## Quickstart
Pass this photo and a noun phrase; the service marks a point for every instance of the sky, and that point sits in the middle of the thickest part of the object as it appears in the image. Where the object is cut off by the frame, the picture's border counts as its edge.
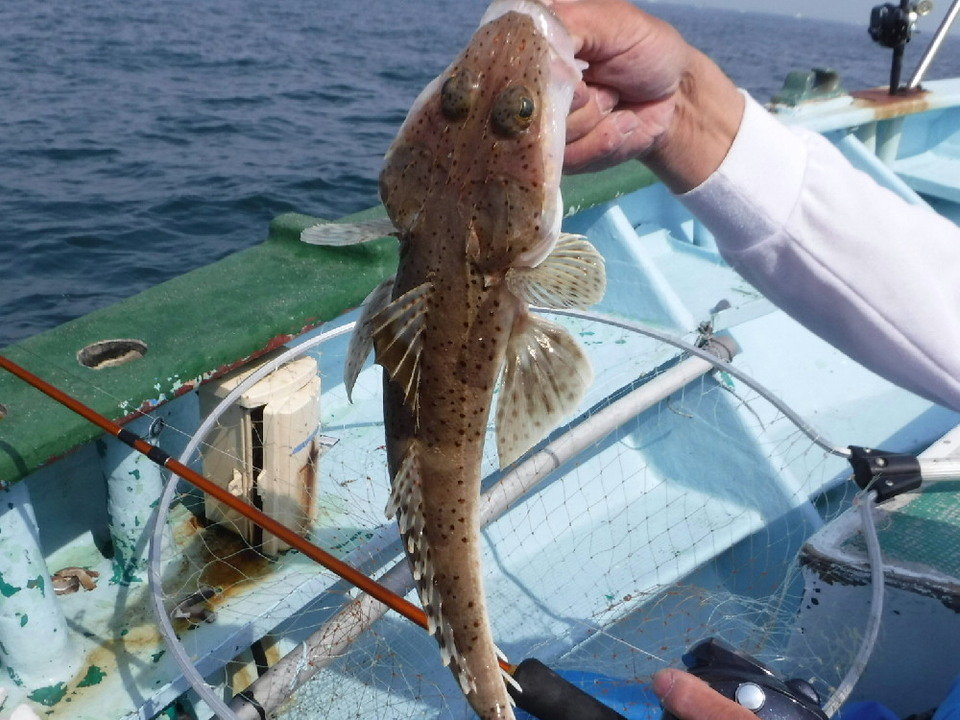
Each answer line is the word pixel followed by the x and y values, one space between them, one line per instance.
pixel 848 11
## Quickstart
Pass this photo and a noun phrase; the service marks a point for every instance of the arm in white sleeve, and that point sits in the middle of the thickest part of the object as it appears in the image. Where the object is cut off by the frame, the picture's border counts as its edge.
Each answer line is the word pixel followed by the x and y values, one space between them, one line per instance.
pixel 871 274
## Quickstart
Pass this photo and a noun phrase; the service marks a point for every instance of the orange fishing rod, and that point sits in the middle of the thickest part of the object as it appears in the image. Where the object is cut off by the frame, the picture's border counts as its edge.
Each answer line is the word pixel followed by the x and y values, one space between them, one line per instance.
pixel 340 568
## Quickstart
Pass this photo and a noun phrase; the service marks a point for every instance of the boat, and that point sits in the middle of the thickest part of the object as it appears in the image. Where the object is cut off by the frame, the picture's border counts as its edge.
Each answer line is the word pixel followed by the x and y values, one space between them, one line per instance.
pixel 693 494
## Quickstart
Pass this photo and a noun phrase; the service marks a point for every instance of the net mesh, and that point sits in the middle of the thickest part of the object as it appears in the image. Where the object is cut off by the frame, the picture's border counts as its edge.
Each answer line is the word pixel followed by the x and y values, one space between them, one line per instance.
pixel 682 522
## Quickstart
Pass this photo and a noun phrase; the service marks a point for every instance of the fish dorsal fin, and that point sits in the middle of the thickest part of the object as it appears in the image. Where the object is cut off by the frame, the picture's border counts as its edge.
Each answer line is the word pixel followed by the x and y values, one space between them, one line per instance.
pixel 340 234
pixel 397 332
pixel 545 375
pixel 571 276
pixel 361 342
pixel 406 503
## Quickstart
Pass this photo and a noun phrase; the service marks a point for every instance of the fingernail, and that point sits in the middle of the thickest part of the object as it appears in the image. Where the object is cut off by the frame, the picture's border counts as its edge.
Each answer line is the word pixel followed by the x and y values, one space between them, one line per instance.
pixel 625 122
pixel 606 100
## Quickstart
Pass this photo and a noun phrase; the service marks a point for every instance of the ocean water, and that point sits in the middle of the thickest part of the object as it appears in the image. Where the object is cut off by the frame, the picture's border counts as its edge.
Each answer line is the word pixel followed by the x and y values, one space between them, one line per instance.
pixel 141 140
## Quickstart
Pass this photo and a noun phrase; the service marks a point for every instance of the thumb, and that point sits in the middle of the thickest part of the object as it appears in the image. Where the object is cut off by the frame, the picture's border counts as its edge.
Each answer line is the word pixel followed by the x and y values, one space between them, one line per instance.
pixel 690 698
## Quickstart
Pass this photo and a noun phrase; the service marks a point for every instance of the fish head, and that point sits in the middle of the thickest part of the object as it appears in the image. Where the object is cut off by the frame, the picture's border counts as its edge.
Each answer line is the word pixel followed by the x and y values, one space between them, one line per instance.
pixel 482 146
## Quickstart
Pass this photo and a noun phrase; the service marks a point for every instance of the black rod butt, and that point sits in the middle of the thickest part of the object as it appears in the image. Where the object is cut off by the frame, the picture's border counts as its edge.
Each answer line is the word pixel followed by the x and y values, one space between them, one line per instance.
pixel 548 696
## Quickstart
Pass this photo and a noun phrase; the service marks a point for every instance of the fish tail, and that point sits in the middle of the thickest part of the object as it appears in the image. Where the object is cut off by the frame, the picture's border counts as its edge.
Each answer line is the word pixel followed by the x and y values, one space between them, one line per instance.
pixel 446 569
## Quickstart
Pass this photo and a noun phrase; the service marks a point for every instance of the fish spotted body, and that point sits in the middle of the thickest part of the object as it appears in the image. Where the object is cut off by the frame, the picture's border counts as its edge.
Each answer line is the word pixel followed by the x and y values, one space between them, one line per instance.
pixel 471 186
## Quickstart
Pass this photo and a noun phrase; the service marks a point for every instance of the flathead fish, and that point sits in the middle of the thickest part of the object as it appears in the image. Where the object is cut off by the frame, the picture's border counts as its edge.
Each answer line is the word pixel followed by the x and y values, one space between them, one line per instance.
pixel 471 187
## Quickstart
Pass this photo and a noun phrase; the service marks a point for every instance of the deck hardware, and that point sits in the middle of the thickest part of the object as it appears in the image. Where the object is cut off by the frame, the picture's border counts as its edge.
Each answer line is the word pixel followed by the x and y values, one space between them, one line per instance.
pixel 265 449
pixel 156 427
pixel 28 608
pixel 133 483
pixel 3 411
pixel 110 353
pixel 800 86
pixel 722 346
pixel 888 473
pixel 891 26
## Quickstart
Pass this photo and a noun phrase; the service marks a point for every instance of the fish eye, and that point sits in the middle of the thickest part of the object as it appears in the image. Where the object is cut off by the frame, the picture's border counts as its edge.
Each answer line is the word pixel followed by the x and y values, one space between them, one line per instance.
pixel 457 95
pixel 513 111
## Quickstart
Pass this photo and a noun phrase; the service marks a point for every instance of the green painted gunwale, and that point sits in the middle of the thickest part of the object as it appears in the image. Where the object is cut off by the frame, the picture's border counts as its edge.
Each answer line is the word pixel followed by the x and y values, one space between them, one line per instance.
pixel 205 322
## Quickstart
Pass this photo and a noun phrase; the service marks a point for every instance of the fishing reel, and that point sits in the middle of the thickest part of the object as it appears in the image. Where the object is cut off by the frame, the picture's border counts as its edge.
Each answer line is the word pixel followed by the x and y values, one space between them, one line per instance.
pixel 746 681
pixel 892 25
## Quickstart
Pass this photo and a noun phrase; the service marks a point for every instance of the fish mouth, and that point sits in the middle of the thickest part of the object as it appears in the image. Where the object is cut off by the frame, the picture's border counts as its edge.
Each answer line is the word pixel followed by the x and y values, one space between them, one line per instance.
pixel 546 23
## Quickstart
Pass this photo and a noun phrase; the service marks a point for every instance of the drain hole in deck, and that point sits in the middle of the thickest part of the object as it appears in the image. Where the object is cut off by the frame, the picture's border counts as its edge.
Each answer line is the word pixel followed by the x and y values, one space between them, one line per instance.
pixel 110 353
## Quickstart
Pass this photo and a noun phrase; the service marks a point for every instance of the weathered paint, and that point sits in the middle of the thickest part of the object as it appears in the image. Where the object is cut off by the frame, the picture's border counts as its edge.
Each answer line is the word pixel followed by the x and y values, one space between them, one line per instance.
pixel 133 485
pixel 884 105
pixel 6 589
pixel 49 695
pixel 28 611
pixel 93 677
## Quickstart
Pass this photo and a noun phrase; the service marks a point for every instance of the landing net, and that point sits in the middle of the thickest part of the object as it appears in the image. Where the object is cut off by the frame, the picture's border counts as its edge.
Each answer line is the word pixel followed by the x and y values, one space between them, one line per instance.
pixel 677 520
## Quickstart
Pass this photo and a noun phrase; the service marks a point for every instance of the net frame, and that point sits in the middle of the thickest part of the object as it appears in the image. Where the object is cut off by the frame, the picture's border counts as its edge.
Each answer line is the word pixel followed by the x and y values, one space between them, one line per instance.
pixel 190 671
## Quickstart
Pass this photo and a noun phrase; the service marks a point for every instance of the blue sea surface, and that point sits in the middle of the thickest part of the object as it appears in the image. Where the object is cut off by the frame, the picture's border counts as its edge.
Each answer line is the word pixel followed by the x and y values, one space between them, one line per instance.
pixel 141 140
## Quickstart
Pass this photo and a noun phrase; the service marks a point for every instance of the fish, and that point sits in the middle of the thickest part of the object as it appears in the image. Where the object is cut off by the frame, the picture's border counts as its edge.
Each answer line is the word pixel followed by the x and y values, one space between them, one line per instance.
pixel 471 186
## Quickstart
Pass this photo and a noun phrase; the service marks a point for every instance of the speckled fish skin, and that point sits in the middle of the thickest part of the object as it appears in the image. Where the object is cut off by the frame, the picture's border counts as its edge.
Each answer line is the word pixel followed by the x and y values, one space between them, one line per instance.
pixel 472 195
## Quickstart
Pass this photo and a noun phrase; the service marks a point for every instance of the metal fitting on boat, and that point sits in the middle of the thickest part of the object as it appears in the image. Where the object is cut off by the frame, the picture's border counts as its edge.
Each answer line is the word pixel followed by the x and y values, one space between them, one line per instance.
pixel 887 473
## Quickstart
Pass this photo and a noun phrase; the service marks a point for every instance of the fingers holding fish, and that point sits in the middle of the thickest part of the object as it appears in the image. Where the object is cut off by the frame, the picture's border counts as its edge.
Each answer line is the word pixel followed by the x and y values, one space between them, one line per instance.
pixel 625 133
pixel 620 111
pixel 590 105
pixel 615 38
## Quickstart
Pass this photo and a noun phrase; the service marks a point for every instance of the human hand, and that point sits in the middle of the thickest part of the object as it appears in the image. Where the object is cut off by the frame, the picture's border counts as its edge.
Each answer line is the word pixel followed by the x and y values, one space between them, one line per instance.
pixel 687 697
pixel 628 94
pixel 646 94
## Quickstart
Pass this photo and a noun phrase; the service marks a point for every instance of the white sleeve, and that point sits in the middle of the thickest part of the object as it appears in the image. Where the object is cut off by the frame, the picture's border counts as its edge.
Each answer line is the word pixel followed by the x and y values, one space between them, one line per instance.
pixel 868 272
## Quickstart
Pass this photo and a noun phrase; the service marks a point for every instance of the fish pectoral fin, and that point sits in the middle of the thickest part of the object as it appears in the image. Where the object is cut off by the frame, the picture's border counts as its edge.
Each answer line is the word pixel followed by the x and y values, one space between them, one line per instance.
pixel 545 375
pixel 571 276
pixel 341 234
pixel 361 342
pixel 397 332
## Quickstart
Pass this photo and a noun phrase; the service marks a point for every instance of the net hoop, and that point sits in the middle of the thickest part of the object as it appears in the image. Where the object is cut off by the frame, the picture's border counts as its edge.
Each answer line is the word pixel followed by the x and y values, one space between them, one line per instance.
pixel 159 521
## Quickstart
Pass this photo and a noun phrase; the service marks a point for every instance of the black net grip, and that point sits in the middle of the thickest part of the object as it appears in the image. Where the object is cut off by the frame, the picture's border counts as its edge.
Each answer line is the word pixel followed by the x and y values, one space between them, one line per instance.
pixel 888 473
pixel 548 696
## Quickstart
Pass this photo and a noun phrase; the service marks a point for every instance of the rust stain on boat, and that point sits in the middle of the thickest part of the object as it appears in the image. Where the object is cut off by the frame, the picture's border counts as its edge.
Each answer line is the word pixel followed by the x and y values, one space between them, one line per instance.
pixel 884 105
pixel 126 652
pixel 242 670
pixel 229 563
